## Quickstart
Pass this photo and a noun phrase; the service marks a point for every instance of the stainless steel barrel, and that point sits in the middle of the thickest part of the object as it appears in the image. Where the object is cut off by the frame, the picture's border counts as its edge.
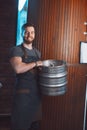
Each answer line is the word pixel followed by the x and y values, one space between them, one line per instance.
pixel 53 77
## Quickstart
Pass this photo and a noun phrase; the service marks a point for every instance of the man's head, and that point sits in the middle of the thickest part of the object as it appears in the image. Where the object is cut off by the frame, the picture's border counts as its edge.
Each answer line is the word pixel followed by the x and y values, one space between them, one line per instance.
pixel 28 33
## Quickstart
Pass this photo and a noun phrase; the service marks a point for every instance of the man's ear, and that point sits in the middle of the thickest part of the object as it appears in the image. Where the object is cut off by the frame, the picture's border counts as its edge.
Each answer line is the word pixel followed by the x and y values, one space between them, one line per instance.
pixel 22 33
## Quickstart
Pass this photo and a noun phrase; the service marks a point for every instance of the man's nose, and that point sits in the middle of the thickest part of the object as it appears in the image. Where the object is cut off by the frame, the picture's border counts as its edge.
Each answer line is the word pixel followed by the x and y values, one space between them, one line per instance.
pixel 29 34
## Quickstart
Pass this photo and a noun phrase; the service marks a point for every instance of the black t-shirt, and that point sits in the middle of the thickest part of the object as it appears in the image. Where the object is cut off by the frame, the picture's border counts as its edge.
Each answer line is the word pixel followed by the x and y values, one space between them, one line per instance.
pixel 17 51
pixel 25 80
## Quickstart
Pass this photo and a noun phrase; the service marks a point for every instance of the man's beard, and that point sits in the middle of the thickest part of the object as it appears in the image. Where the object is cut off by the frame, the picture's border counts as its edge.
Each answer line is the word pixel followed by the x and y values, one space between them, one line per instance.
pixel 27 41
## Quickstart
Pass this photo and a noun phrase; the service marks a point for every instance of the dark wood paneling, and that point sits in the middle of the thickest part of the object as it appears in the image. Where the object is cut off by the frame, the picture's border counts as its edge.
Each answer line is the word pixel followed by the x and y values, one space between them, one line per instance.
pixel 6 69
pixel 8 14
pixel 6 93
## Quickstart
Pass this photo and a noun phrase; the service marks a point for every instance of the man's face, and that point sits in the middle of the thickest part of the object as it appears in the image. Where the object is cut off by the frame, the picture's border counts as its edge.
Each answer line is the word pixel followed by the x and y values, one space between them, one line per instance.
pixel 29 34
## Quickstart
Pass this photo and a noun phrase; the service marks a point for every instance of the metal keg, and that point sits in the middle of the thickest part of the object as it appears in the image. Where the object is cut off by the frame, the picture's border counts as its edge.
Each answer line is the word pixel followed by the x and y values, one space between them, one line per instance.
pixel 53 77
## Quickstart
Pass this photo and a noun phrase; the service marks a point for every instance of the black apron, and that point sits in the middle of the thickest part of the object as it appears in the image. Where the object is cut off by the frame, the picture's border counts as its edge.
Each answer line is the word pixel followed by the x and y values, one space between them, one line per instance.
pixel 25 105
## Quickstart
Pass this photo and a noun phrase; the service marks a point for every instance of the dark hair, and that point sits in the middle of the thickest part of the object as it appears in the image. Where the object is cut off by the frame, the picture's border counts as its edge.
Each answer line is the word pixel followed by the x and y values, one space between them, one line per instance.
pixel 27 25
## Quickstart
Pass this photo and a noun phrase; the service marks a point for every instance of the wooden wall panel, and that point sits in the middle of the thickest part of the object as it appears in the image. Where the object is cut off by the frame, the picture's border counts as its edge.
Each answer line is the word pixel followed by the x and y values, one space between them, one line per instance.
pixel 61 30
pixel 66 112
pixel 8 15
pixel 60 27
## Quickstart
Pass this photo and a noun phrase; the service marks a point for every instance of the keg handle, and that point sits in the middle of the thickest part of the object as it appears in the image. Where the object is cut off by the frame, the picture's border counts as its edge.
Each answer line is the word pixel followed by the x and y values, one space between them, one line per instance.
pixel 51 65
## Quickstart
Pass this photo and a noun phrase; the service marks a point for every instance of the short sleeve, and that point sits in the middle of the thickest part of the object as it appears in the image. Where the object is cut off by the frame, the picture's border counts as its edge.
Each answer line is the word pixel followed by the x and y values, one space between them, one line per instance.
pixel 15 51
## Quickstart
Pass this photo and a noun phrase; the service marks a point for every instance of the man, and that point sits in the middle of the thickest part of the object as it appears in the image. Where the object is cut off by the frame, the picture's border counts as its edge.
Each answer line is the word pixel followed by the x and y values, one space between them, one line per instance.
pixel 24 60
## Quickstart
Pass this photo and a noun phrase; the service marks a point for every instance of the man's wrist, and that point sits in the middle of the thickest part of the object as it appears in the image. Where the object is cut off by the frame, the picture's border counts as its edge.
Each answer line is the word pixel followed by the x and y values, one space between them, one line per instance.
pixel 35 64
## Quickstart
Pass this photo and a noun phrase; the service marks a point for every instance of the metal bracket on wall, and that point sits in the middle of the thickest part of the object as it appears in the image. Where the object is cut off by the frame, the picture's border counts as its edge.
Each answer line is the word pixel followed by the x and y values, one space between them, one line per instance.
pixel 1 85
pixel 85 33
pixel 85 23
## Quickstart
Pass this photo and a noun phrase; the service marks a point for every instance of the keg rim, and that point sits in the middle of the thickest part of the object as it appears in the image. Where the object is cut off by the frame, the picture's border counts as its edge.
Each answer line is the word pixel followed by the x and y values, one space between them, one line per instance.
pixel 54 93
pixel 54 86
pixel 53 75
pixel 63 63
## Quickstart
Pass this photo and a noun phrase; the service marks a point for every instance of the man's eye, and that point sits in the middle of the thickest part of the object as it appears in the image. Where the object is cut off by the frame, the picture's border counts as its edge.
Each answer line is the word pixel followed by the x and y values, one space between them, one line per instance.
pixel 26 32
pixel 32 32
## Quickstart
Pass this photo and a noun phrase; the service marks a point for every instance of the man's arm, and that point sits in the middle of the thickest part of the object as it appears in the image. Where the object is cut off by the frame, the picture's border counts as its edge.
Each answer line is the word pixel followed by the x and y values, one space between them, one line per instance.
pixel 21 67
